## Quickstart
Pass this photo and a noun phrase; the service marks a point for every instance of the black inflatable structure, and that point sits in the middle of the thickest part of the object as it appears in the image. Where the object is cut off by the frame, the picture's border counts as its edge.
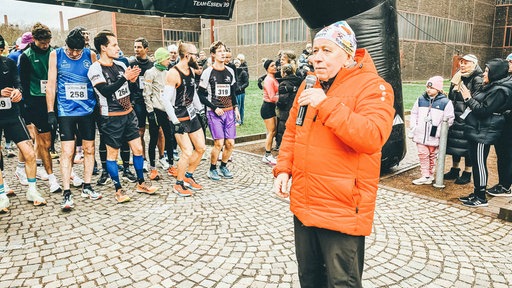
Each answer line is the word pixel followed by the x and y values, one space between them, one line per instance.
pixel 375 26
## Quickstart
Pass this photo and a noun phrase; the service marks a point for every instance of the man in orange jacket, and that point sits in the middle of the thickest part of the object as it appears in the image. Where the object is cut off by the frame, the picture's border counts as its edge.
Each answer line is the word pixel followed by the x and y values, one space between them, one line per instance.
pixel 334 159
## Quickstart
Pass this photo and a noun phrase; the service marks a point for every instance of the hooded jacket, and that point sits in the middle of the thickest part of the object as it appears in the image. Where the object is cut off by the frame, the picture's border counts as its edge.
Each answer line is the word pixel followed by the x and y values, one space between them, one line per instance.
pixel 427 115
pixel 334 158
pixel 288 87
pixel 457 143
pixel 486 121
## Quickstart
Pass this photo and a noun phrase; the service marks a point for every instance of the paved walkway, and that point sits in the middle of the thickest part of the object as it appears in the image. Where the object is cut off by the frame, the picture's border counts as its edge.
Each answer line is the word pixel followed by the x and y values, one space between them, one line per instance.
pixel 235 233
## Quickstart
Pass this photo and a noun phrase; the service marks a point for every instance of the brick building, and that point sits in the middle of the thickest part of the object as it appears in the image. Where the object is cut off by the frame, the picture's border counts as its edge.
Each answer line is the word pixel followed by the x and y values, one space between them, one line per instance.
pixel 159 31
pixel 431 32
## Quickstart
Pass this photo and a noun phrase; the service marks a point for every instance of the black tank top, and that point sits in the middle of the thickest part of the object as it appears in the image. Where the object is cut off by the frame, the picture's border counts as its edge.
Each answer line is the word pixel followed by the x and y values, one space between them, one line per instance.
pixel 184 95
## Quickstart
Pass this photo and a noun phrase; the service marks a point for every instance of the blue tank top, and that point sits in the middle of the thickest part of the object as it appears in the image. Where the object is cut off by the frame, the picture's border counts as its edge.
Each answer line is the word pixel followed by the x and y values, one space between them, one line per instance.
pixel 75 95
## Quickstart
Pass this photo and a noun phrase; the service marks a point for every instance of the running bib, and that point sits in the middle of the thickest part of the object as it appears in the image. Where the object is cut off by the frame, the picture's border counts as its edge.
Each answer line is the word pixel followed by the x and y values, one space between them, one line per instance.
pixel 42 85
pixel 76 91
pixel 191 111
pixel 141 82
pixel 123 91
pixel 222 90
pixel 5 103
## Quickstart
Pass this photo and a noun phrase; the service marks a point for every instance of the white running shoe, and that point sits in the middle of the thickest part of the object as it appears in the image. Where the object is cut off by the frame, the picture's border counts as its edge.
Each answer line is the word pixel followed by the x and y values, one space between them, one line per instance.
pixel 36 198
pixel 4 203
pixel 77 181
pixel 163 163
pixel 54 186
pixel 21 175
pixel 423 180
pixel 8 190
pixel 269 160
pixel 10 152
pixel 41 173
pixel 145 166
pixel 79 157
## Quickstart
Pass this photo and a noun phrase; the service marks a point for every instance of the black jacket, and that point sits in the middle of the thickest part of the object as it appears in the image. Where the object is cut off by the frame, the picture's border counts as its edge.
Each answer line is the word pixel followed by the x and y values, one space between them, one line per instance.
pixel 242 81
pixel 486 121
pixel 288 87
pixel 9 78
pixel 457 143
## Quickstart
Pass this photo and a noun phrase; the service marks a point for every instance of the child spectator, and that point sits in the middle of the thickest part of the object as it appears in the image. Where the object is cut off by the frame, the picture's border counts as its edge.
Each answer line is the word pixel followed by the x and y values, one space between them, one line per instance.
pixel 427 114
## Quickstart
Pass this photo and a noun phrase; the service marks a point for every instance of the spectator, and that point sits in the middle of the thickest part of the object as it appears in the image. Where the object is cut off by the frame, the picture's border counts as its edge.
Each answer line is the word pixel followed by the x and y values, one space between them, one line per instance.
pixel 268 109
pixel 334 160
pixel 288 86
pixel 485 123
pixel 303 58
pixel 469 75
pixel 242 83
pixel 427 115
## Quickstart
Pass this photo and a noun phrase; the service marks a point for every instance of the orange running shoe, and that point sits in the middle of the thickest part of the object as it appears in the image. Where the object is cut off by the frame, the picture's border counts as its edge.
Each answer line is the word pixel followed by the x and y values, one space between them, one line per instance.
pixel 191 183
pixel 181 190
pixel 121 196
pixel 153 175
pixel 172 171
pixel 145 188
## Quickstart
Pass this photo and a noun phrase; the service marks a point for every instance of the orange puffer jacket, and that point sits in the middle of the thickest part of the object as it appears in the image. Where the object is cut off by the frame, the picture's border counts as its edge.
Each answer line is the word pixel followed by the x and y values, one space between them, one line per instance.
pixel 334 158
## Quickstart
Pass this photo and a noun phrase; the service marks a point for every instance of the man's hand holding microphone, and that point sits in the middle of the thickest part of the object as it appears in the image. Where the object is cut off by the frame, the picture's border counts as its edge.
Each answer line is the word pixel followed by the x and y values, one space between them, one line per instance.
pixel 309 96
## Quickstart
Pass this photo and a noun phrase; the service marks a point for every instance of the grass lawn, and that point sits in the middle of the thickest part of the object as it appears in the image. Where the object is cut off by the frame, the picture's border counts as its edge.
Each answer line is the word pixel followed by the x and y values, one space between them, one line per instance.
pixel 253 124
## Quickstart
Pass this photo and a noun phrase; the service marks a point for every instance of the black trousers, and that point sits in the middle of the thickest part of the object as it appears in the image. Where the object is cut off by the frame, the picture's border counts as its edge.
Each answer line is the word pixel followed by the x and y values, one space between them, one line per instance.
pixel 328 258
pixel 478 153
pixel 504 160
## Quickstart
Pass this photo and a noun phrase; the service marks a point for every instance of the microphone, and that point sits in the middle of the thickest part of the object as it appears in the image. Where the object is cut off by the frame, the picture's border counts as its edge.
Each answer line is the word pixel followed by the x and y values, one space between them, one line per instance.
pixel 310 82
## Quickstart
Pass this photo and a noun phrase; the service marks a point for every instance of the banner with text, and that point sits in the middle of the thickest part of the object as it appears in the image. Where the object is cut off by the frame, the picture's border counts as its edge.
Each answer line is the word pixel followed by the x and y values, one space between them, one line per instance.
pixel 210 9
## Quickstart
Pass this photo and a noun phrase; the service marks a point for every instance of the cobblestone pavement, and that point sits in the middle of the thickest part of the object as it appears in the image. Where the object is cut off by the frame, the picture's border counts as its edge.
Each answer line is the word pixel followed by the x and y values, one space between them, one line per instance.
pixel 235 233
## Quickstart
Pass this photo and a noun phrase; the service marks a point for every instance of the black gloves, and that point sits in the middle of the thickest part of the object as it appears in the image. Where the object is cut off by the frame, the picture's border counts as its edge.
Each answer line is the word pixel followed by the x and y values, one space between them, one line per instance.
pixel 178 128
pixel 52 120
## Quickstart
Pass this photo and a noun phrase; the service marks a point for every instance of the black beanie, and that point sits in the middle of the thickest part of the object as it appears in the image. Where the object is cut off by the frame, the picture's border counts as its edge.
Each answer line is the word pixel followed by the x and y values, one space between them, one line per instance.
pixel 267 63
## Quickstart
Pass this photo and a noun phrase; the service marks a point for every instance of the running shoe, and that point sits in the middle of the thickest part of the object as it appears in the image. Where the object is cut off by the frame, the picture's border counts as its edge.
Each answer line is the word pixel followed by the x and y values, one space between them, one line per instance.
pixel 4 203
pixel 213 174
pixel 41 173
pixel 79 157
pixel 22 177
pixel 54 186
pixel 35 198
pixel 175 155
pixel 191 183
pixel 91 194
pixel 67 202
pixel 145 188
pixel 153 174
pixel 77 181
pixel 104 178
pixel 54 154
pixel 129 176
pixel 269 160
pixel 10 152
pixel 145 166
pixel 224 172
pixel 181 190
pixel 8 190
pixel 172 171
pixel 121 196
pixel 163 163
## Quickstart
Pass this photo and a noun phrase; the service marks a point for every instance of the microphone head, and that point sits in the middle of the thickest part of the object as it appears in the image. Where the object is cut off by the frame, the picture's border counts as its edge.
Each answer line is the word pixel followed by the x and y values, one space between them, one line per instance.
pixel 310 80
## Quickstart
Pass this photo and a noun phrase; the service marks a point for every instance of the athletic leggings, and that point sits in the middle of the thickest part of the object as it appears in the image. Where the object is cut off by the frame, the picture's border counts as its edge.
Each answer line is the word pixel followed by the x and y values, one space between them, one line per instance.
pixel 478 153
pixel 170 141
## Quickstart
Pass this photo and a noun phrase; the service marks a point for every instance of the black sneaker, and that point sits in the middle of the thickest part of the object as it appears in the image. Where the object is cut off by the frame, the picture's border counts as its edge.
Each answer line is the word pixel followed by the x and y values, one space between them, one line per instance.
pixel 465 178
pixel 453 174
pixel 467 198
pixel 499 190
pixel 129 176
pixel 476 202
pixel 104 178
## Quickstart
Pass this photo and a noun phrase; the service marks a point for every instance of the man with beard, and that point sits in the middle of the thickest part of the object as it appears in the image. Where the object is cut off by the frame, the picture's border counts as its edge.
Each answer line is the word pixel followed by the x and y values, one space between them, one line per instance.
pixel 181 103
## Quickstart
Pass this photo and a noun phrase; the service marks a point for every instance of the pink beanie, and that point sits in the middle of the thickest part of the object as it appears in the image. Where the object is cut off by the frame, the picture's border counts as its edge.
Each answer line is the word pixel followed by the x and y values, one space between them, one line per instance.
pixel 436 82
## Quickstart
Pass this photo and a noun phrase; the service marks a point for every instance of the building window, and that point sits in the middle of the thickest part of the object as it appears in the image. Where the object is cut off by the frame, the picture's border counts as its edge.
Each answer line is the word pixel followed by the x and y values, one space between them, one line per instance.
pixel 172 36
pixel 268 32
pixel 508 37
pixel 294 30
pixel 246 34
pixel 503 2
pixel 413 26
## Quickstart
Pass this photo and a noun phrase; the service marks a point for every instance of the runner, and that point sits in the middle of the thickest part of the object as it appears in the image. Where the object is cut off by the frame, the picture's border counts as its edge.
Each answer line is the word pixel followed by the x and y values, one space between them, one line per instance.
pixel 181 103
pixel 34 76
pixel 217 91
pixel 15 129
pixel 153 89
pixel 70 90
pixel 118 121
